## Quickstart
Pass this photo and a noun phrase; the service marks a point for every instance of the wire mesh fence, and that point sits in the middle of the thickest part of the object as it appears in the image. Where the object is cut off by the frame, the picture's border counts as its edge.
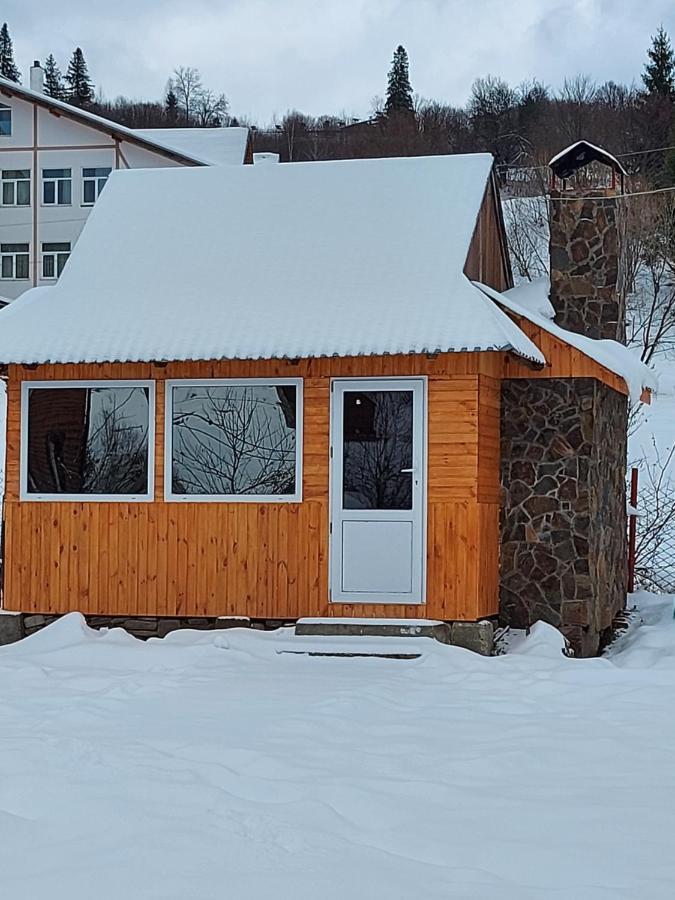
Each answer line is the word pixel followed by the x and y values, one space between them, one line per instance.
pixel 655 538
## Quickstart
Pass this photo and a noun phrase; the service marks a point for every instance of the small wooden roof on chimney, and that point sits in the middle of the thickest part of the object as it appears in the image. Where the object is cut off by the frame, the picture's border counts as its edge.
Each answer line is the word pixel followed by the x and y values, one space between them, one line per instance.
pixel 576 156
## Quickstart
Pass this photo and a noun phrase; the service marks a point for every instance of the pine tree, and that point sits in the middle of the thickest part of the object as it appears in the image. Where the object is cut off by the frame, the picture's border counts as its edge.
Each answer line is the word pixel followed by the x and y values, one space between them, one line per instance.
pixel 79 90
pixel 399 93
pixel 659 73
pixel 53 79
pixel 171 105
pixel 8 67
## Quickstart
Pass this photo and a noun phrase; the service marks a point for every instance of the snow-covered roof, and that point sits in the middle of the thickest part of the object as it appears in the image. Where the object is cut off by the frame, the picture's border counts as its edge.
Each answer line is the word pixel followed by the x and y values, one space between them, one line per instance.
pixel 342 258
pixel 533 296
pixel 99 122
pixel 614 356
pixel 212 146
pixel 579 154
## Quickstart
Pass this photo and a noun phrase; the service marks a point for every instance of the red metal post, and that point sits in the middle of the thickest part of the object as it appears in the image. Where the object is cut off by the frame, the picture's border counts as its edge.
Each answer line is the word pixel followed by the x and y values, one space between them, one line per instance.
pixel 632 530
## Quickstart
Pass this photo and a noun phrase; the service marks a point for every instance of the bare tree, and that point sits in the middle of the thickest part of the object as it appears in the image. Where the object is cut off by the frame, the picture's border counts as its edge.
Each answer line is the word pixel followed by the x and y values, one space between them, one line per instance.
pixel 526 222
pixel 210 109
pixel 648 244
pixel 186 83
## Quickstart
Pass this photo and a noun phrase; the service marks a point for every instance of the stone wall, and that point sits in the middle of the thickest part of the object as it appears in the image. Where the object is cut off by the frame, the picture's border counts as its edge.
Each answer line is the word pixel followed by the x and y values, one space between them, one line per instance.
pixel 585 264
pixel 563 556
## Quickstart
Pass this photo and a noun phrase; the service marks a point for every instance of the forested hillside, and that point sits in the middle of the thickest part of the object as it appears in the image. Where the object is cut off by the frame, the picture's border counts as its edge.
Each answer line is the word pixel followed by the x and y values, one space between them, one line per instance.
pixel 522 125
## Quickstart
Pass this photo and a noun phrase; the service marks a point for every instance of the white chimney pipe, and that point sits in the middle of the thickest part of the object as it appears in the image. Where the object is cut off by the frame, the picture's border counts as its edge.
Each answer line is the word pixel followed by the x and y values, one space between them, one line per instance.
pixel 37 77
pixel 264 159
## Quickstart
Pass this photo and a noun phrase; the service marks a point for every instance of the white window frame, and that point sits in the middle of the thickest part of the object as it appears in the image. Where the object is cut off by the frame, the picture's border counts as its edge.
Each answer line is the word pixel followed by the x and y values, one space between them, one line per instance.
pixel 99 182
pixel 170 384
pixel 13 255
pixel 3 107
pixel 55 255
pixel 26 496
pixel 15 185
pixel 56 182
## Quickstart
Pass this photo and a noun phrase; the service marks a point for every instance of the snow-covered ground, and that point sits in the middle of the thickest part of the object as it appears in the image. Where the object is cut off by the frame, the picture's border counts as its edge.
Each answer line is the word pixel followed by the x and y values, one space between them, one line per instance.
pixel 212 766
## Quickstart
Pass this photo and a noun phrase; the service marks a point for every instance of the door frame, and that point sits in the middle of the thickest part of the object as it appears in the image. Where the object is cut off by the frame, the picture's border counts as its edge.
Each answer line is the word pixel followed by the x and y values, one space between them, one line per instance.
pixel 362 382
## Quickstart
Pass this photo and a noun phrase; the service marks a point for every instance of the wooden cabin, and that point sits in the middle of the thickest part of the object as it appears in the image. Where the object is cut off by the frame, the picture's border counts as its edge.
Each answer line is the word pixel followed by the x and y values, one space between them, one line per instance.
pixel 272 392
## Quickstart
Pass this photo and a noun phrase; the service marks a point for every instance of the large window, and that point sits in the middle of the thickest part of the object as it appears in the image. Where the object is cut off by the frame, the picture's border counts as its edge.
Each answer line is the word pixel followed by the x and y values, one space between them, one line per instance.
pixel 5 120
pixel 87 440
pixel 14 261
pixel 57 187
pixel 234 440
pixel 93 182
pixel 54 258
pixel 16 187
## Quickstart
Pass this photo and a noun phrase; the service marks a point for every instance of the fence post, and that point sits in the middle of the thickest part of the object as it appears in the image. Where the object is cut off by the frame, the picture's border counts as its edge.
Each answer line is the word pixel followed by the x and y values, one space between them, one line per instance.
pixel 632 529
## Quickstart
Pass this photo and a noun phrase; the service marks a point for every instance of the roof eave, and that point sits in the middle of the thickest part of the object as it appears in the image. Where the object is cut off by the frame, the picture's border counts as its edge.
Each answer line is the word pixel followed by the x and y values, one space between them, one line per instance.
pixel 9 89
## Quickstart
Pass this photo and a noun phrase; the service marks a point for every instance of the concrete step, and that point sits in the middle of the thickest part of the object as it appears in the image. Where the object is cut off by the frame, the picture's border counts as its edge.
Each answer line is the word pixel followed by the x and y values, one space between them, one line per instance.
pixel 476 636
pixel 353 627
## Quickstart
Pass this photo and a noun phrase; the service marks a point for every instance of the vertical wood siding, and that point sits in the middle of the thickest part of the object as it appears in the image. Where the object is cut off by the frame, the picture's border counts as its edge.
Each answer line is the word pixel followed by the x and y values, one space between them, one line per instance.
pixel 262 560
pixel 271 560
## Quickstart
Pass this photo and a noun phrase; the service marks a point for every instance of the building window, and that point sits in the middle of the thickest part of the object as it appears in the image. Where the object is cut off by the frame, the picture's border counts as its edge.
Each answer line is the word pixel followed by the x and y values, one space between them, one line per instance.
pixel 234 440
pixel 16 187
pixel 93 182
pixel 14 261
pixel 87 440
pixel 5 120
pixel 57 187
pixel 54 258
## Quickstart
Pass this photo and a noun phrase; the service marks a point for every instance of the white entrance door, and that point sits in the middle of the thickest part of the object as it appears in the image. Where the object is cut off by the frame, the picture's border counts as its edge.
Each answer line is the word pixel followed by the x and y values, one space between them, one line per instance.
pixel 378 490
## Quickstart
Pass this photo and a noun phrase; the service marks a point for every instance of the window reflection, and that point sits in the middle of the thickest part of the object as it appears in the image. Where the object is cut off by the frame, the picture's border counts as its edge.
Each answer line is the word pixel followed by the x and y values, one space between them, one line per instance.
pixel 234 440
pixel 88 440
pixel 377 448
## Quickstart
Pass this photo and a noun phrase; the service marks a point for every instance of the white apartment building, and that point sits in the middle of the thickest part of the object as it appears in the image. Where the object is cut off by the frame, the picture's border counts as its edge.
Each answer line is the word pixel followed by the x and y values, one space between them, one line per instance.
pixel 54 162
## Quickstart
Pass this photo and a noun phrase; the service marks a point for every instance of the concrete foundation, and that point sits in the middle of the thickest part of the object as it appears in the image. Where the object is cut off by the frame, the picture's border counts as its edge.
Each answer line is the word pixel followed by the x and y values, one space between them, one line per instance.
pixel 476 636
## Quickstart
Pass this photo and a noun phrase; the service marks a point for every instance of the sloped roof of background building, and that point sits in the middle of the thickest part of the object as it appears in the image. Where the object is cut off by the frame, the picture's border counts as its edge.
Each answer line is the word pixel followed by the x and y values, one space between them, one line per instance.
pixel 213 146
pixel 336 258
pixel 197 148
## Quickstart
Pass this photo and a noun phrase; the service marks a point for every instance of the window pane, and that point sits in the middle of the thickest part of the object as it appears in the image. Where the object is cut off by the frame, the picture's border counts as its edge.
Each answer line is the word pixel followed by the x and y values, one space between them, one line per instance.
pixel 48 266
pixel 8 193
pixel 56 173
pixel 22 265
pixel 14 248
pixel 234 439
pixel 100 172
pixel 88 440
pixel 377 447
pixel 16 173
pixel 89 192
pixel 8 267
pixel 64 192
pixel 56 248
pixel 49 192
pixel 23 193
pixel 61 260
pixel 5 121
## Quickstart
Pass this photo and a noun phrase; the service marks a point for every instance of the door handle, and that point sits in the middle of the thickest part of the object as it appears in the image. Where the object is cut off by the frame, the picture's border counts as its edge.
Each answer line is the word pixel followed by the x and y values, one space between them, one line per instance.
pixel 407 471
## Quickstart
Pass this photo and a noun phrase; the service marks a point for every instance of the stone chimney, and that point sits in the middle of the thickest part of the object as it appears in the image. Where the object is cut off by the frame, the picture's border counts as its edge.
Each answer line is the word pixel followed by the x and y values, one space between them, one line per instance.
pixel 585 214
pixel 37 77
pixel 563 440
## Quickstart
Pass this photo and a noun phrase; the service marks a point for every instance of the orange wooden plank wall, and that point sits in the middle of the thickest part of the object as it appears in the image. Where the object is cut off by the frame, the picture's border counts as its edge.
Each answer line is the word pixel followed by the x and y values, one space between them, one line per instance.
pixel 262 560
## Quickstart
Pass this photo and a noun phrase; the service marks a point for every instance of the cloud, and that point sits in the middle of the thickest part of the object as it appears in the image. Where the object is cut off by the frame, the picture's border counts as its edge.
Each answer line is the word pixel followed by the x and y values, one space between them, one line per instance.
pixel 333 55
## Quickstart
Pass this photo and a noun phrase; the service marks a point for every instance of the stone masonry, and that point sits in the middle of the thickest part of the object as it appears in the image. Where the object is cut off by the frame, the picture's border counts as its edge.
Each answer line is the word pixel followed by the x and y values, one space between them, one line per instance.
pixel 563 554
pixel 585 263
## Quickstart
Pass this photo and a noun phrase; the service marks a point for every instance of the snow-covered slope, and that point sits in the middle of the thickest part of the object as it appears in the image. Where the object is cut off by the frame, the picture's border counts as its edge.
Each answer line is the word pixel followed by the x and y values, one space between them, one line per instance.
pixel 207 766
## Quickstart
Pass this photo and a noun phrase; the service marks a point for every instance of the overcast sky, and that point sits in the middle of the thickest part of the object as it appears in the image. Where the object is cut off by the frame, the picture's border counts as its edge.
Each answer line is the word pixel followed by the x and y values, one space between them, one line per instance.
pixel 332 56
